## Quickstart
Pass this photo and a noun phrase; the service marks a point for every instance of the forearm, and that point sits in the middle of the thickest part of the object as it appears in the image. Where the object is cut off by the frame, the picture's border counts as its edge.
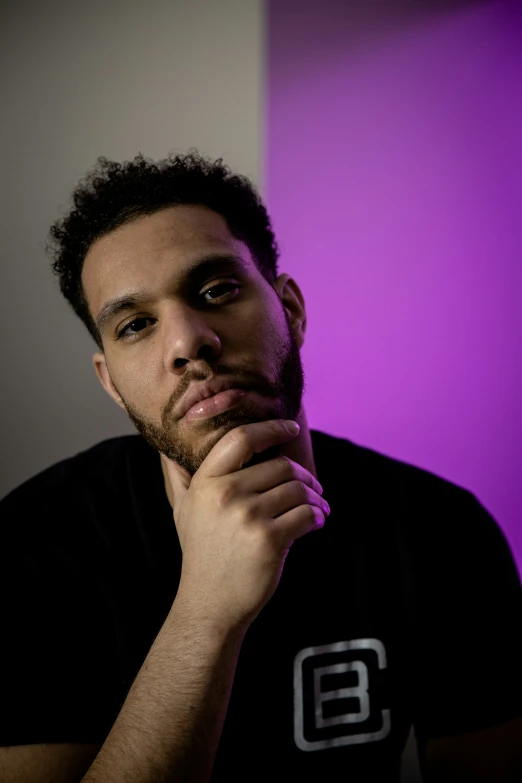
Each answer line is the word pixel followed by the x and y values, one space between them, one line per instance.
pixel 169 726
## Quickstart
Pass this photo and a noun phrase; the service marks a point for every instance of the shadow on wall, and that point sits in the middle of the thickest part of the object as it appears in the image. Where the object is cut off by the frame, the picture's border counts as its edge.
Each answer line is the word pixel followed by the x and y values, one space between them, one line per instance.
pixel 351 25
pixel 393 157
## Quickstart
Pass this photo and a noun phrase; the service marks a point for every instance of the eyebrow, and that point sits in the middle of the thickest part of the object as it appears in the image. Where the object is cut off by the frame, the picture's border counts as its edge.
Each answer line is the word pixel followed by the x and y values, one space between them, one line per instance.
pixel 191 274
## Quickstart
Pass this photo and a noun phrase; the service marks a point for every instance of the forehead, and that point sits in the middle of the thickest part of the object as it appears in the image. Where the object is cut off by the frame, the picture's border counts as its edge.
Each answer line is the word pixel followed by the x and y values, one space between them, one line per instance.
pixel 150 249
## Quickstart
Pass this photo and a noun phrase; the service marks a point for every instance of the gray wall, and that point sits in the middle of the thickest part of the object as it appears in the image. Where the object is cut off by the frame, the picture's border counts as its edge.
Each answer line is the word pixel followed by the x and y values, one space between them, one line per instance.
pixel 77 82
pixel 81 80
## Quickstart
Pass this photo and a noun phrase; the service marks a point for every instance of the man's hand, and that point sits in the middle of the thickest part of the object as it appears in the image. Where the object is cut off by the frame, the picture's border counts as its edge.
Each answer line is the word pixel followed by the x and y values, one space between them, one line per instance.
pixel 236 526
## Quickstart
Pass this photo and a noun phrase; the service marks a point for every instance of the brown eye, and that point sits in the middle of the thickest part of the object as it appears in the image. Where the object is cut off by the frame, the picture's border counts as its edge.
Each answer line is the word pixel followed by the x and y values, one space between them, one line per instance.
pixel 125 333
pixel 220 290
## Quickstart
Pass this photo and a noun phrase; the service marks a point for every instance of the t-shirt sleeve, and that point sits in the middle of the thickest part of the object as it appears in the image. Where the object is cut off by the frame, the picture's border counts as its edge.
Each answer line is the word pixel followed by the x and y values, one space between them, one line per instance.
pixel 58 666
pixel 468 650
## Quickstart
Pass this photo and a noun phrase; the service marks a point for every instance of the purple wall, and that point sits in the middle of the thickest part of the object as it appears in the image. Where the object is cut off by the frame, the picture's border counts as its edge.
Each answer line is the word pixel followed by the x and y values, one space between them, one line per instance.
pixel 394 170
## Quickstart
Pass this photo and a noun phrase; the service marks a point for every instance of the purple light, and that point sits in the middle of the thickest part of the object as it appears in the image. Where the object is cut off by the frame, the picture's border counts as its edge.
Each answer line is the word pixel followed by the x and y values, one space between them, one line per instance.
pixel 394 161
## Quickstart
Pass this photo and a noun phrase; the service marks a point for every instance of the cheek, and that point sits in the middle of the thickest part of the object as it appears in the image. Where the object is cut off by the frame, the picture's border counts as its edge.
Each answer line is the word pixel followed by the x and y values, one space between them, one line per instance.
pixel 269 336
pixel 137 384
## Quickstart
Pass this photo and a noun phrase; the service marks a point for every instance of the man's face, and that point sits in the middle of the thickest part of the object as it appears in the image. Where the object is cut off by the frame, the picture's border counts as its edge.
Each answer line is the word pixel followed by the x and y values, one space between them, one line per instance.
pixel 205 311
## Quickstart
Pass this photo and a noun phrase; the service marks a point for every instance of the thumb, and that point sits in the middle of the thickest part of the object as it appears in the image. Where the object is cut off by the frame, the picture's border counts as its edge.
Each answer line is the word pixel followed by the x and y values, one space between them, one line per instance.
pixel 179 480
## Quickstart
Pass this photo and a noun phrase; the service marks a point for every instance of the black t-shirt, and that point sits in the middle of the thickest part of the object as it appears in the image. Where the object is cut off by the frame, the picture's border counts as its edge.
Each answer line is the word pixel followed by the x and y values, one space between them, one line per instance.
pixel 405 609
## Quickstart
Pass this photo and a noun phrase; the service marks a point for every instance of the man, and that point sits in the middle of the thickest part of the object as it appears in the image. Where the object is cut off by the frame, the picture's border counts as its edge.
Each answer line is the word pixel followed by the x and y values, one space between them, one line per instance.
pixel 175 607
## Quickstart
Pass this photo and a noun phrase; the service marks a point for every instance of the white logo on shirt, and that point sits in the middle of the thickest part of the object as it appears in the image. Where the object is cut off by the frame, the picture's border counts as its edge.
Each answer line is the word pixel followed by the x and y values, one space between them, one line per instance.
pixel 320 722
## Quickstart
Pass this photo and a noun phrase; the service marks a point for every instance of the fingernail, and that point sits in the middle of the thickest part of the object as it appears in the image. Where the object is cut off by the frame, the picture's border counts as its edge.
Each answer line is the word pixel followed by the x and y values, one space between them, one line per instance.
pixel 292 426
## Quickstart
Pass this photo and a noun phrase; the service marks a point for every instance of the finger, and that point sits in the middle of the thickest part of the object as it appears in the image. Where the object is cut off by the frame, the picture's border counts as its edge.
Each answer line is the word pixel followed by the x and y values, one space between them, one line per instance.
pixel 278 501
pixel 275 472
pixel 298 522
pixel 240 444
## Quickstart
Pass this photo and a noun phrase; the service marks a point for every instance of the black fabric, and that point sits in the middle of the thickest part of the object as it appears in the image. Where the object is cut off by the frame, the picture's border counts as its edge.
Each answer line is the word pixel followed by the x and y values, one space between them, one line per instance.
pixel 410 586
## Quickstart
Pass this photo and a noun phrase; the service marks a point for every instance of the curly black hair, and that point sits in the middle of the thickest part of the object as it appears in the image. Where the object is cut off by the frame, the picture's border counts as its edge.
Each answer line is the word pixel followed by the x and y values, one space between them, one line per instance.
pixel 113 194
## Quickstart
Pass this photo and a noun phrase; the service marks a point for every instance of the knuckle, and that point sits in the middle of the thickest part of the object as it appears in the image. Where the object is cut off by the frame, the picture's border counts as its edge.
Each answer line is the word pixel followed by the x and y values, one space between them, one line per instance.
pixel 288 470
pixel 312 513
pixel 314 517
pixel 301 491
pixel 227 492
pixel 241 433
pixel 285 464
pixel 251 511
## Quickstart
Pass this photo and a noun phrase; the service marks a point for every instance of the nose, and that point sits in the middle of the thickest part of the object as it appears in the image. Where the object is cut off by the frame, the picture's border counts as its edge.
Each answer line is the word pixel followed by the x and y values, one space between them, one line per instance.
pixel 188 337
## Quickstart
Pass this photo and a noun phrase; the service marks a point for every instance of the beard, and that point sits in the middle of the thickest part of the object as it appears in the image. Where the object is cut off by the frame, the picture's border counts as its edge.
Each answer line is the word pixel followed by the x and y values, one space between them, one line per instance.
pixel 285 394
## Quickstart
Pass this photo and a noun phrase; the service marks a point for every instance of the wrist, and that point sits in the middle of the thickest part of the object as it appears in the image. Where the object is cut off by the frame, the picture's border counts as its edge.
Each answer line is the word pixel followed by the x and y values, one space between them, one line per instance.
pixel 204 620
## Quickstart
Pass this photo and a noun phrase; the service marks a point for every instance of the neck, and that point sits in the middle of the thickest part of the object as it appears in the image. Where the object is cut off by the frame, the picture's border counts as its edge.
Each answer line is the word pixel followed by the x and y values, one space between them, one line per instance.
pixel 299 450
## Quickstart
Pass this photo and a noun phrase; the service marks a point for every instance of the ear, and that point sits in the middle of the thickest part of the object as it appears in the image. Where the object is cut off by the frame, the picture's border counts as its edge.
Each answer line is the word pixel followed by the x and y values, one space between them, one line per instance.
pixel 293 301
pixel 102 371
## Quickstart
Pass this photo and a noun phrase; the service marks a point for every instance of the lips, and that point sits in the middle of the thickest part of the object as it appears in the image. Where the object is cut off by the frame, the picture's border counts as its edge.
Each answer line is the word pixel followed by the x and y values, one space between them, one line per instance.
pixel 202 391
